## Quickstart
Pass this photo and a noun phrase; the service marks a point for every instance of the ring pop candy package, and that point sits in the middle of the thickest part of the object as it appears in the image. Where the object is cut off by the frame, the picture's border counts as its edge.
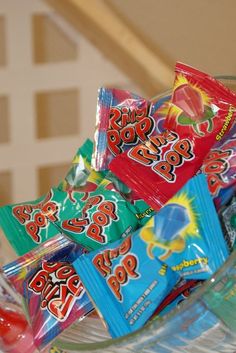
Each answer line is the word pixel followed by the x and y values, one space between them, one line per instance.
pixel 186 234
pixel 17 270
pixel 159 167
pixel 28 224
pixel 53 294
pixel 81 178
pixel 220 169
pixel 71 201
pixel 25 224
pixel 132 283
pixel 123 120
pixel 103 218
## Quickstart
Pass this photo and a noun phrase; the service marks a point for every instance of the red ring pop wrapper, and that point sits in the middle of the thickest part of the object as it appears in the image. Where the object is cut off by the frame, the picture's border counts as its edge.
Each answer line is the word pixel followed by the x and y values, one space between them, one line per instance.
pixel 53 294
pixel 219 165
pixel 201 112
pixel 123 120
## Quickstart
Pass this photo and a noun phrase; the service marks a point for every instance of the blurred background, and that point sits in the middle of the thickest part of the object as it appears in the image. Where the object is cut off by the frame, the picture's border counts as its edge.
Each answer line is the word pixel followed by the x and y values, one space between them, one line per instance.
pixel 55 54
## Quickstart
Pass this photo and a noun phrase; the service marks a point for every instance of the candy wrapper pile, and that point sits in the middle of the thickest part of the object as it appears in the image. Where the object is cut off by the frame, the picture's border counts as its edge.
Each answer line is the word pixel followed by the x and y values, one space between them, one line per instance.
pixel 146 213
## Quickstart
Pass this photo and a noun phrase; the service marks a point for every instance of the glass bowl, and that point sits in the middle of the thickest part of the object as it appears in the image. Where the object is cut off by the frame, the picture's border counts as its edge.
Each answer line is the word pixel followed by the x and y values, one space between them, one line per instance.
pixel 204 323
pixel 184 329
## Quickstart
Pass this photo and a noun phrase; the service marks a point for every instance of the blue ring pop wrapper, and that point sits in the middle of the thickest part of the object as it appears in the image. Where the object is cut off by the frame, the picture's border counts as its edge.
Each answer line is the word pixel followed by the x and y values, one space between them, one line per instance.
pixel 132 283
pixel 186 234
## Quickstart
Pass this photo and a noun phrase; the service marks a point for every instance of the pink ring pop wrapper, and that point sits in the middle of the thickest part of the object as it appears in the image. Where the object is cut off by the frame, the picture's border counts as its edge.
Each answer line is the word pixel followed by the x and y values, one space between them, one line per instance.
pixel 220 169
pixel 123 120
pixel 53 294
pixel 159 167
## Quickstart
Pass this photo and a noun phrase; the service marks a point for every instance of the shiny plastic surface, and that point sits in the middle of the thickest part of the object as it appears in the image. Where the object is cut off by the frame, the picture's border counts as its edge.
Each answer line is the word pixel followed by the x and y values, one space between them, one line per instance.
pixel 205 323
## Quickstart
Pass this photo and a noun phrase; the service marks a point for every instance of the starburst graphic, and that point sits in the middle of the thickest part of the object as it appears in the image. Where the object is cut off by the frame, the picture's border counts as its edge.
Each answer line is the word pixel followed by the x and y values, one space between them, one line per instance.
pixel 182 80
pixel 191 230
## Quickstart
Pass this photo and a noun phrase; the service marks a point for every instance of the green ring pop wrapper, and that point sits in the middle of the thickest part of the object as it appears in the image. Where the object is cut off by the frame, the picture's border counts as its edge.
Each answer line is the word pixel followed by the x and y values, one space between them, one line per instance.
pixel 202 110
pixel 71 201
pixel 28 224
pixel 103 218
pixel 80 168
pixel 142 210
pixel 25 224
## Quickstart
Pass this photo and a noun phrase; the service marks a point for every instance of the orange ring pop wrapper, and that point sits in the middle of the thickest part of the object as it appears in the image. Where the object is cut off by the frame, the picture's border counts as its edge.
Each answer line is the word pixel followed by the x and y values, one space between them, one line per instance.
pixel 201 112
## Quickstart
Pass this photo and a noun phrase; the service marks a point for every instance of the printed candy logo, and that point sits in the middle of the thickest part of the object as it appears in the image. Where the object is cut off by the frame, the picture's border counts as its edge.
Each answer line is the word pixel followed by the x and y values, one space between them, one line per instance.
pixel 164 163
pixel 58 286
pixel 192 106
pixel 36 217
pixel 118 275
pixel 93 226
pixel 215 166
pixel 128 126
